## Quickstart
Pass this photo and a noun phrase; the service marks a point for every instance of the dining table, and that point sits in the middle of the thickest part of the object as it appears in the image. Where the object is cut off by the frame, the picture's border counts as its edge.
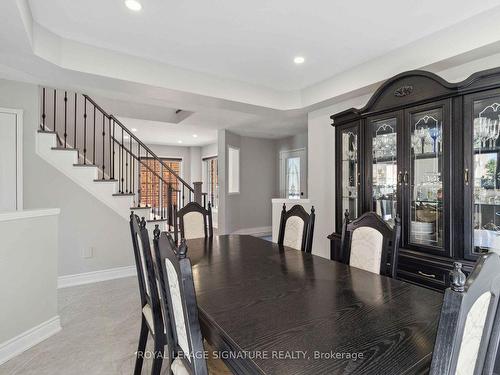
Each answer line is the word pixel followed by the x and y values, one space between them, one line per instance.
pixel 269 309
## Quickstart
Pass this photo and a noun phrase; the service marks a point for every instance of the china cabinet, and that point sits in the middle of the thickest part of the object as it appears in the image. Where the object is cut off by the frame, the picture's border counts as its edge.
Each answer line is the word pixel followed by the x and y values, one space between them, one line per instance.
pixel 429 151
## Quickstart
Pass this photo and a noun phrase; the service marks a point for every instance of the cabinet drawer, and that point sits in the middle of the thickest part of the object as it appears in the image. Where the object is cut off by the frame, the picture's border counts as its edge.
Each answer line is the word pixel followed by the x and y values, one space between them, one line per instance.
pixel 434 277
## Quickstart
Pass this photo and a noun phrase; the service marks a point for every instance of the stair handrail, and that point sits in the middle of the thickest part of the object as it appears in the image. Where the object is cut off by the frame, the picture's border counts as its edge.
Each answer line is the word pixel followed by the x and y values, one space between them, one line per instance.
pixel 132 136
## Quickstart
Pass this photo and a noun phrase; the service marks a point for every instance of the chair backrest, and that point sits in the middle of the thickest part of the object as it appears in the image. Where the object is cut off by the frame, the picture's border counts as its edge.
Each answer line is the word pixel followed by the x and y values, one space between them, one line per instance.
pixel 468 331
pixel 369 241
pixel 296 228
pixel 148 286
pixel 181 300
pixel 194 221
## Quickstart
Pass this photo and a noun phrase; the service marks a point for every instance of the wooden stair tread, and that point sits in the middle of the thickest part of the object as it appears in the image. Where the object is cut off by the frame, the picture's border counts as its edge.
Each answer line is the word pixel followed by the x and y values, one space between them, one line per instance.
pixel 84 165
pixel 63 149
pixel 123 194
pixel 105 180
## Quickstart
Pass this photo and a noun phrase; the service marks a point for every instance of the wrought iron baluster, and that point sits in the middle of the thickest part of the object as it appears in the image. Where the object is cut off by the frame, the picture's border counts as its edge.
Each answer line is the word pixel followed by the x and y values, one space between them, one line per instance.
pixel 93 141
pixel 114 153
pixel 74 134
pixel 126 167
pixel 55 111
pixel 103 143
pixel 85 132
pixel 65 118
pixel 139 174
pixel 121 164
pixel 111 177
pixel 43 109
pixel 131 166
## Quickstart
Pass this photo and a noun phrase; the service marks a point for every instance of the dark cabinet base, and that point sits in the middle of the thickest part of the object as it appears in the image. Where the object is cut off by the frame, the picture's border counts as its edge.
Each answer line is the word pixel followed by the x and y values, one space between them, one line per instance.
pixel 428 271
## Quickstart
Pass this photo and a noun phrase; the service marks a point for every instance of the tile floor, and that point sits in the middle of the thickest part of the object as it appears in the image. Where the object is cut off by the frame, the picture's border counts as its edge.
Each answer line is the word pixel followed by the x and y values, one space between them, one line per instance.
pixel 100 333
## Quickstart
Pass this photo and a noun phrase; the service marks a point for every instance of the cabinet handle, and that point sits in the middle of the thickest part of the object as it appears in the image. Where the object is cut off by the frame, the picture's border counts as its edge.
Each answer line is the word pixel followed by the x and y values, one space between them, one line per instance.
pixel 426 274
pixel 400 178
pixel 466 176
pixel 405 178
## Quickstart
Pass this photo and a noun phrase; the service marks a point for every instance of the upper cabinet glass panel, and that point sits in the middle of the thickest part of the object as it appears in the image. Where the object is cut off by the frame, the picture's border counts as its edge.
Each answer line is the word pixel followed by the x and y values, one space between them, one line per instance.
pixel 350 171
pixel 426 178
pixel 384 168
pixel 486 175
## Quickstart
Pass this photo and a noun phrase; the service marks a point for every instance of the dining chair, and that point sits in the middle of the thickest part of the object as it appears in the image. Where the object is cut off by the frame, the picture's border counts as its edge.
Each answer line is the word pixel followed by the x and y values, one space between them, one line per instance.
pixel 296 228
pixel 369 243
pixel 193 221
pixel 468 331
pixel 152 316
pixel 180 299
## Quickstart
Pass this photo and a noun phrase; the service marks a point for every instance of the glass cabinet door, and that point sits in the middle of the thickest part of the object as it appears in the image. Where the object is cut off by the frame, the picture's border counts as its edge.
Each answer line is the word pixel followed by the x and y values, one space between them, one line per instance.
pixel 484 181
pixel 384 168
pixel 350 171
pixel 425 178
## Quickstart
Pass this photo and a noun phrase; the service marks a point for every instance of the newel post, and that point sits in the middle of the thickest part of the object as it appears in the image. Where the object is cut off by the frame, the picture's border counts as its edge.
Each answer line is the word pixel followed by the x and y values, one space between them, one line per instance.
pixel 197 192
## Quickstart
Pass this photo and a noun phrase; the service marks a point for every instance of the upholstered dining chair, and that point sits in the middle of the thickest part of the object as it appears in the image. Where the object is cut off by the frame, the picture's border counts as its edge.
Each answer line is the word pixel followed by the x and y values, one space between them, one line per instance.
pixel 179 298
pixel 193 221
pixel 369 243
pixel 296 228
pixel 152 317
pixel 469 326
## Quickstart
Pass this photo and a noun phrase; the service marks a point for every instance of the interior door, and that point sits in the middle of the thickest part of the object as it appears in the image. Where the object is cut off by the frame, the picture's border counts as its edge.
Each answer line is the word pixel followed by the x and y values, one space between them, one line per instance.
pixel 426 178
pixel 9 200
pixel 293 174
pixel 384 165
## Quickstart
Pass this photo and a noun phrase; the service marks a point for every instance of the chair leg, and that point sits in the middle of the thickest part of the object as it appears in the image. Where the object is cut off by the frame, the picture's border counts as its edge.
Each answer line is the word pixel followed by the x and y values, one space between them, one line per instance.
pixel 159 353
pixel 141 348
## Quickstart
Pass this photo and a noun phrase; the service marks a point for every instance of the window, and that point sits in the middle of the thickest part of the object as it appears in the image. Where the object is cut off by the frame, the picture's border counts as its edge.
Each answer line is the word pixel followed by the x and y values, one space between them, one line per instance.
pixel 150 186
pixel 293 178
pixel 211 181
pixel 233 170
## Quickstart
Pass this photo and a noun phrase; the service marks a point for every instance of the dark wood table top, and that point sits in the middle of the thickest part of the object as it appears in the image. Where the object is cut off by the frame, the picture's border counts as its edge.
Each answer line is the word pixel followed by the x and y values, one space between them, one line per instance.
pixel 287 312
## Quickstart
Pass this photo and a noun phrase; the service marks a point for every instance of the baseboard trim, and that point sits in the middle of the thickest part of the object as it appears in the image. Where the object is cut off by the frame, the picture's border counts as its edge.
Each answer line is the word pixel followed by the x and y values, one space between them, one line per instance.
pixel 95 276
pixel 255 231
pixel 19 344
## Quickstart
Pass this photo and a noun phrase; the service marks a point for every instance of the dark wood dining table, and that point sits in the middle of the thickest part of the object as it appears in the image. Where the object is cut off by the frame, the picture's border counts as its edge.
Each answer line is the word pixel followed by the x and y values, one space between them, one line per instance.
pixel 269 309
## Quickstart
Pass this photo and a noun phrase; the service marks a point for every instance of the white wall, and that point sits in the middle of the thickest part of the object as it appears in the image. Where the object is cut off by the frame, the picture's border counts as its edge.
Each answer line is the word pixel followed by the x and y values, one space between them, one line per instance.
pixel 84 221
pixel 209 151
pixel 251 208
pixel 321 181
pixel 28 276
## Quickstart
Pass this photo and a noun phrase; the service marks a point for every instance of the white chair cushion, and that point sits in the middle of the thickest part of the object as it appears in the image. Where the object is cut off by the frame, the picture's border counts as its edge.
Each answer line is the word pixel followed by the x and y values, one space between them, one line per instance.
pixel 175 294
pixel 194 225
pixel 148 314
pixel 473 332
pixel 178 367
pixel 294 229
pixel 366 249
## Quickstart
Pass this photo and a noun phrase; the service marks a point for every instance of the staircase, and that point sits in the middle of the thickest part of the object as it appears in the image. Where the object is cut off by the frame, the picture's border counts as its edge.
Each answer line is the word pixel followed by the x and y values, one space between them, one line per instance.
pixel 99 153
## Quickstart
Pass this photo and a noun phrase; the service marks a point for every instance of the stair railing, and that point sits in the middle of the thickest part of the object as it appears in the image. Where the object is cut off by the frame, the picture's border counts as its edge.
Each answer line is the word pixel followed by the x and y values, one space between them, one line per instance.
pixel 102 140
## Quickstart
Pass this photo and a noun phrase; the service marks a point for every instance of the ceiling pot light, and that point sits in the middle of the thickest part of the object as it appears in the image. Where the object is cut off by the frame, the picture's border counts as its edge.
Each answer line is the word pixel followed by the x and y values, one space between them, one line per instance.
pixel 195 135
pixel 299 60
pixel 179 141
pixel 133 5
pixel 134 129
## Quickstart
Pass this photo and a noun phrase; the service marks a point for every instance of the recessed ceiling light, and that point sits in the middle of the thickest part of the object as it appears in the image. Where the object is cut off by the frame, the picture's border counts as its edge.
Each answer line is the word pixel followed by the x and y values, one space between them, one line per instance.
pixel 195 135
pixel 299 60
pixel 179 141
pixel 133 5
pixel 134 129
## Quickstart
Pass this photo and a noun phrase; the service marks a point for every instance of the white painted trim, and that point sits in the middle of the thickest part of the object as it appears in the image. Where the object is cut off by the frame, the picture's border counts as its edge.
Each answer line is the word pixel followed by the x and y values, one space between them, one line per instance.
pixel 255 231
pixel 95 276
pixel 17 345
pixel 28 214
pixel 19 153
